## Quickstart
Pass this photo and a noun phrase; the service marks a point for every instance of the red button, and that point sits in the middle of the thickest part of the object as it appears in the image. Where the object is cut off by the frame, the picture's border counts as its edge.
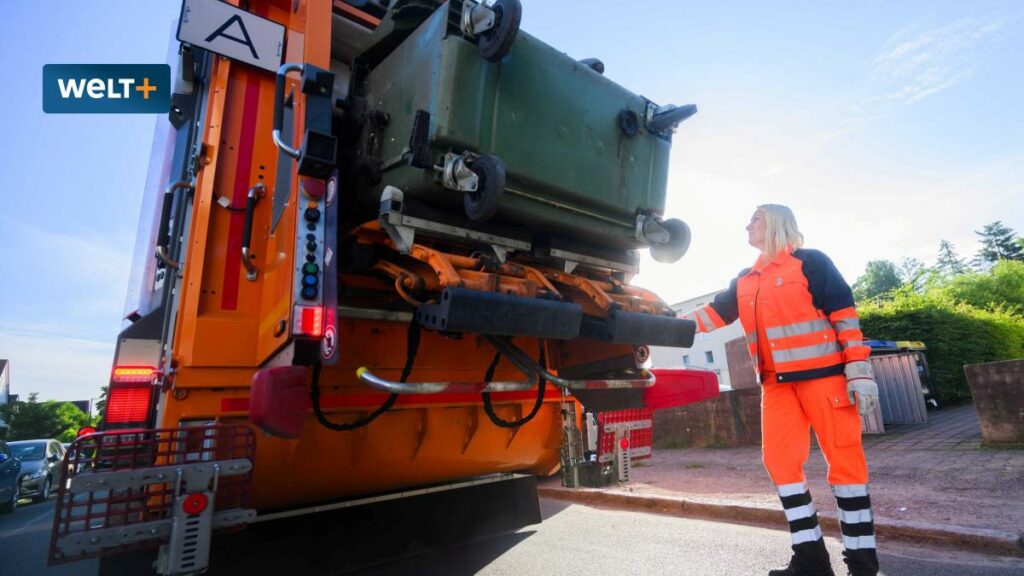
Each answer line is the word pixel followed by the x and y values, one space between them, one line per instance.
pixel 194 504
pixel 624 443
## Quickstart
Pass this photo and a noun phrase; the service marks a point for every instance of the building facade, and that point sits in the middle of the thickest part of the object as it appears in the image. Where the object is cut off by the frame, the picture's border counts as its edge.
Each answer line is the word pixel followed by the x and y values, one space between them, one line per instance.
pixel 708 351
pixel 723 351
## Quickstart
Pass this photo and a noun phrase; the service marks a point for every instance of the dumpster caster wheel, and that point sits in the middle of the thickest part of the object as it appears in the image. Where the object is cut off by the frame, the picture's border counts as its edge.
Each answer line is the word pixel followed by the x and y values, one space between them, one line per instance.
pixel 482 203
pixel 495 43
pixel 677 245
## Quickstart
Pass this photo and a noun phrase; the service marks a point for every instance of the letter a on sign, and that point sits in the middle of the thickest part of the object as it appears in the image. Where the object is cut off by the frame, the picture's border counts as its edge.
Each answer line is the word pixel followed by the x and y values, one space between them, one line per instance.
pixel 237 34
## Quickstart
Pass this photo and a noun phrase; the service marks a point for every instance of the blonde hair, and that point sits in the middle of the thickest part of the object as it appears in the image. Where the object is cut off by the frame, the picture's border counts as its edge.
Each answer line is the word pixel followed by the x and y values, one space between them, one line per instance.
pixel 780 230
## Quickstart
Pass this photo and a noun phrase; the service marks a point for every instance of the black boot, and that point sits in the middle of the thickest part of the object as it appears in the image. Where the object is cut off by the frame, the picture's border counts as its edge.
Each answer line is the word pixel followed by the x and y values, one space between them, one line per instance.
pixel 809 559
pixel 862 562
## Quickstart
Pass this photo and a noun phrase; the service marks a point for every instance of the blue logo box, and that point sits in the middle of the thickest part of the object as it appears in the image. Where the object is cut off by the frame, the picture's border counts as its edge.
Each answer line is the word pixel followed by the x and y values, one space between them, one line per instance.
pixel 106 88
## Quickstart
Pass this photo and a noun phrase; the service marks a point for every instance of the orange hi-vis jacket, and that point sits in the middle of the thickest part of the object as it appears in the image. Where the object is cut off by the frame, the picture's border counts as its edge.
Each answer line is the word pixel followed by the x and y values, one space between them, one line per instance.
pixel 797 313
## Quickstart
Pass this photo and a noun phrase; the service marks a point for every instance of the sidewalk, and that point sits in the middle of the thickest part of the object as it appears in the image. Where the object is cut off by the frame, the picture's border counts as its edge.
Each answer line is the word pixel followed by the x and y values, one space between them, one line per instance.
pixel 930 483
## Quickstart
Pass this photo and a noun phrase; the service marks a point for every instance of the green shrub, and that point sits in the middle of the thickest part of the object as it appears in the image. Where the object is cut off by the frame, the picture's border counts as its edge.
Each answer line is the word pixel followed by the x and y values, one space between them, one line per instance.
pixel 1001 288
pixel 955 334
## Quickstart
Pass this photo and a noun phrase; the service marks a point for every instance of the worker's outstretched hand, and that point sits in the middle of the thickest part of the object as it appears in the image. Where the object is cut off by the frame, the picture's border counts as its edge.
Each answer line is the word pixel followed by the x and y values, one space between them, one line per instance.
pixel 860 386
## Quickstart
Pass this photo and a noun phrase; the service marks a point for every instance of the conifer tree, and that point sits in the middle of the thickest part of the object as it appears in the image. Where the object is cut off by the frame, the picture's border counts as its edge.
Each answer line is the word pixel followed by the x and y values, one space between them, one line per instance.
pixel 998 242
pixel 949 264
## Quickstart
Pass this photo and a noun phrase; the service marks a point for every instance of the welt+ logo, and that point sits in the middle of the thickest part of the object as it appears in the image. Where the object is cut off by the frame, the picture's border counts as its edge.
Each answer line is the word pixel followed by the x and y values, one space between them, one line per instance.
pixel 106 88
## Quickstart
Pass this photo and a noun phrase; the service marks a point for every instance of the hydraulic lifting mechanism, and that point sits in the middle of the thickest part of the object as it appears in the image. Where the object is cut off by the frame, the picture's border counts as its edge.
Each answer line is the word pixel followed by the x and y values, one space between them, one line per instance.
pixel 416 209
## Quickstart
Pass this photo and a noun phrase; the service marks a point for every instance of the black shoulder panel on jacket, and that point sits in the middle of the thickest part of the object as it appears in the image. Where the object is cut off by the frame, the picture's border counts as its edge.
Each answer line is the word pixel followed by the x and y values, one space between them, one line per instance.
pixel 726 304
pixel 827 286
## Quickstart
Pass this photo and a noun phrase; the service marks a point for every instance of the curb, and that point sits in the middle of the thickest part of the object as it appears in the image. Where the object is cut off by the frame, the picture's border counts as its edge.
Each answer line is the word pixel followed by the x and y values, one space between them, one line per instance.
pixel 981 540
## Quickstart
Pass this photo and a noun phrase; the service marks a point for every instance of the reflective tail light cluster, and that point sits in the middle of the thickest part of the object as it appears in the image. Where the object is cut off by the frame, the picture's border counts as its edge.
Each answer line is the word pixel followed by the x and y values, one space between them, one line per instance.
pixel 130 396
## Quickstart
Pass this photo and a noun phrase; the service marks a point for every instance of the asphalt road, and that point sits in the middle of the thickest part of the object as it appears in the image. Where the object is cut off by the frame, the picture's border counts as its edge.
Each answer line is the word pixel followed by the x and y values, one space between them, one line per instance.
pixel 572 539
pixel 25 542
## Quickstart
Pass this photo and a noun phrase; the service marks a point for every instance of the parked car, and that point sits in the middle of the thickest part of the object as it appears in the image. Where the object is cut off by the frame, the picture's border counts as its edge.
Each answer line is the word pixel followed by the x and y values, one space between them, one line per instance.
pixel 40 466
pixel 10 473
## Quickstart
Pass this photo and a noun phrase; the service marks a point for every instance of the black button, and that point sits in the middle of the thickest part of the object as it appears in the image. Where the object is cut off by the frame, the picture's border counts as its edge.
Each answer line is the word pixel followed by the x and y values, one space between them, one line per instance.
pixel 311 246
pixel 310 257
pixel 312 215
pixel 309 292
pixel 311 237
pixel 311 227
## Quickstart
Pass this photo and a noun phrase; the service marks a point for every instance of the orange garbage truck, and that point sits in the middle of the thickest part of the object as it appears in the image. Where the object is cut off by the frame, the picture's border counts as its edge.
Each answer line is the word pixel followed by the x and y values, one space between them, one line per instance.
pixel 385 256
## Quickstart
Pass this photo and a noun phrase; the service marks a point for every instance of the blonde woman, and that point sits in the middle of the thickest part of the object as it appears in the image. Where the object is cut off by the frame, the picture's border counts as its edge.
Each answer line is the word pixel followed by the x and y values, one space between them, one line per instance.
pixel 804 336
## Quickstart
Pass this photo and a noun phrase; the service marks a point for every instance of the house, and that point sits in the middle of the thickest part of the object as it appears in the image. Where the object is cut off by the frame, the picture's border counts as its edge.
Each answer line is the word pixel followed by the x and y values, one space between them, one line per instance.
pixel 723 351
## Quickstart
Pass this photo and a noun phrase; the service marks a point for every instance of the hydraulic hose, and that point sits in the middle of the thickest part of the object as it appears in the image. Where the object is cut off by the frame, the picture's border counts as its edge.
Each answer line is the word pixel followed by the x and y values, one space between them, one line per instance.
pixel 489 407
pixel 412 347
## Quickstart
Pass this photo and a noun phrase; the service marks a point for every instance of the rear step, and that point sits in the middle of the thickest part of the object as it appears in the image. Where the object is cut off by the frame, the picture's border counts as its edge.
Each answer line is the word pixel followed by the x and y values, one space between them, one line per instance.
pixel 640 329
pixel 473 311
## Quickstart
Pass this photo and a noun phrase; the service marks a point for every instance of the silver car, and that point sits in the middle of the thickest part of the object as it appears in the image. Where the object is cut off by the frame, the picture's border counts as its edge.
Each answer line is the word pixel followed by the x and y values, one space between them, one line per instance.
pixel 40 466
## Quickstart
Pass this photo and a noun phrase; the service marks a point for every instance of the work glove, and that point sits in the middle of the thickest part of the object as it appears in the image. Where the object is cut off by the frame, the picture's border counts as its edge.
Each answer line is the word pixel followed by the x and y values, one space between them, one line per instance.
pixel 860 386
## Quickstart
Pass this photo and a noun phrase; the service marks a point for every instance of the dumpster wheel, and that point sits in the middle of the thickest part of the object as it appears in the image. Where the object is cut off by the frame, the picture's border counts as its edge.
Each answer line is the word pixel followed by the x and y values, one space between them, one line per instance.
pixel 495 44
pixel 677 245
pixel 483 202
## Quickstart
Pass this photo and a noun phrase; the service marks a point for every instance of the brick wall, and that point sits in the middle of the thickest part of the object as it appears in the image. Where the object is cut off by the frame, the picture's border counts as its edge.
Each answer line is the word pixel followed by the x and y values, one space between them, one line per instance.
pixel 731 419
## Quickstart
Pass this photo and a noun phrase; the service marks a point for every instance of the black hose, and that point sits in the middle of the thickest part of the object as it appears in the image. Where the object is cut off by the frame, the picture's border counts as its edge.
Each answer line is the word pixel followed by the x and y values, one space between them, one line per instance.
pixel 541 389
pixel 412 347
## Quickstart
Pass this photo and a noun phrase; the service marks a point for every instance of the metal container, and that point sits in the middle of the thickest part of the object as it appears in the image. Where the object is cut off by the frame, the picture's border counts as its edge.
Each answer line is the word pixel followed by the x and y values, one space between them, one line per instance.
pixel 899 387
pixel 580 153
pixel 872 423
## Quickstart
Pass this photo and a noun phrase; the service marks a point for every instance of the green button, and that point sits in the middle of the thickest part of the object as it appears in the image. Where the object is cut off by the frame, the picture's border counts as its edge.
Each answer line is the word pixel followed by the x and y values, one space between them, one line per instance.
pixel 310 268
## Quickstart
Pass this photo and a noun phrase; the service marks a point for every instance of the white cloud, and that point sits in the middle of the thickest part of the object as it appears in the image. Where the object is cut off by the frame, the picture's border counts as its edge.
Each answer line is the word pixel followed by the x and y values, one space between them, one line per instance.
pixel 57 367
pixel 80 278
pixel 918 63
pixel 61 308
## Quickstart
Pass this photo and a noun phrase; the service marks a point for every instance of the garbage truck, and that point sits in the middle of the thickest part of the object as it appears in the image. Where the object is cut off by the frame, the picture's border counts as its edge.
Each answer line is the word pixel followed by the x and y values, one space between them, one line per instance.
pixel 385 255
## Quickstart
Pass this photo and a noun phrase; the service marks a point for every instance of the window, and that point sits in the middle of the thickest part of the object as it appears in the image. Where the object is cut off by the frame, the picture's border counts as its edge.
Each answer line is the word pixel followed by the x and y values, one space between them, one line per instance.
pixel 709 357
pixel 686 359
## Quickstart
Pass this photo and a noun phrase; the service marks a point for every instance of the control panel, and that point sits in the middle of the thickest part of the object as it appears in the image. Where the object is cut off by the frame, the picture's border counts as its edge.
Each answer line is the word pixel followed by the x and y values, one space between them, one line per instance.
pixel 311 247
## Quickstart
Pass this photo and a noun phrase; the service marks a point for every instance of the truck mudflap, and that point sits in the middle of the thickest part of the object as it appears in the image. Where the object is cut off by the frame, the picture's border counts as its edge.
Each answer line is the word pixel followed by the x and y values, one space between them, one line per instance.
pixel 130 489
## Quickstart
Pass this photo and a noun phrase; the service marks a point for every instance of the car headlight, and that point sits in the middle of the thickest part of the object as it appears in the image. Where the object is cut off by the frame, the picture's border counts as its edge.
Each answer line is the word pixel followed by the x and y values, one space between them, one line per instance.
pixel 37 474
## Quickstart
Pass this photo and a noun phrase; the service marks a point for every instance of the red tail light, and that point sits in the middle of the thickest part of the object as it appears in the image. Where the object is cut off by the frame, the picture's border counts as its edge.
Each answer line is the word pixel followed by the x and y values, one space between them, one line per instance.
pixel 128 404
pixel 308 321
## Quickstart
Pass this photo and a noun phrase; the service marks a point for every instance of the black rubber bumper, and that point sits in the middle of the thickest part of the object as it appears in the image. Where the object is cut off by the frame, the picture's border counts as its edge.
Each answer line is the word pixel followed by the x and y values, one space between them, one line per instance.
pixel 640 329
pixel 472 311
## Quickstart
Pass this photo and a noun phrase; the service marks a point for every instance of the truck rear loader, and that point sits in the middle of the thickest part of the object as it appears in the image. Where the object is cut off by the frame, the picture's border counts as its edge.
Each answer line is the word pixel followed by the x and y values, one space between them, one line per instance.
pixel 390 261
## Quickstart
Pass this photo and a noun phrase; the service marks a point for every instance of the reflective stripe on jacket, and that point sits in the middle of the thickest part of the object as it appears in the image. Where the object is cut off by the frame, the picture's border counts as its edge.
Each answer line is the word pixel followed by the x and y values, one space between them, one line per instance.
pixel 805 310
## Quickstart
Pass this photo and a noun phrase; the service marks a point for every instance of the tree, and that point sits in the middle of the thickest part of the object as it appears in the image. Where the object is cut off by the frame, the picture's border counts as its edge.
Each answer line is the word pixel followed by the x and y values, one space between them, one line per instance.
pixel 949 264
pixel 101 403
pixel 32 419
pixel 998 242
pixel 1001 289
pixel 880 277
pixel 913 272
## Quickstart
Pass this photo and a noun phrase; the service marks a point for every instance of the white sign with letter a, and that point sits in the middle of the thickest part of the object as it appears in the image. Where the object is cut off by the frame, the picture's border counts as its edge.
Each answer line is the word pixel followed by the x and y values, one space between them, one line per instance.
pixel 237 34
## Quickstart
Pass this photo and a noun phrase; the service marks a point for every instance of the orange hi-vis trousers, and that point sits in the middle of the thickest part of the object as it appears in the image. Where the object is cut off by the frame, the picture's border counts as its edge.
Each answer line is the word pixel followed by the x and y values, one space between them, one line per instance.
pixel 788 410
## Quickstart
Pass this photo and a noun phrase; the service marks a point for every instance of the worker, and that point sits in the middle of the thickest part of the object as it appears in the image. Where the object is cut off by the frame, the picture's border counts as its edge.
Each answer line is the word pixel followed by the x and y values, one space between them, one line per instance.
pixel 804 335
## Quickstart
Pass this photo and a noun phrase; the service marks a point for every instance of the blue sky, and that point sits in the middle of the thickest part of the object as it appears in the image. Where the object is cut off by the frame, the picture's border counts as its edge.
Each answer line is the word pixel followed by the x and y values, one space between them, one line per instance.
pixel 886 126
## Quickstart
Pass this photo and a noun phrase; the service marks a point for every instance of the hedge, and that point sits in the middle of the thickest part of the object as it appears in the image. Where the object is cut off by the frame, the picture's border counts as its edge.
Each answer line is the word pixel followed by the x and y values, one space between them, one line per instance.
pixel 955 334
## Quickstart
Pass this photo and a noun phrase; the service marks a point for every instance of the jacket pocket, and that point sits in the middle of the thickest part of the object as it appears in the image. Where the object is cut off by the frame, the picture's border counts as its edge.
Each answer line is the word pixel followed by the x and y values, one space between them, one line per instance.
pixel 845 421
